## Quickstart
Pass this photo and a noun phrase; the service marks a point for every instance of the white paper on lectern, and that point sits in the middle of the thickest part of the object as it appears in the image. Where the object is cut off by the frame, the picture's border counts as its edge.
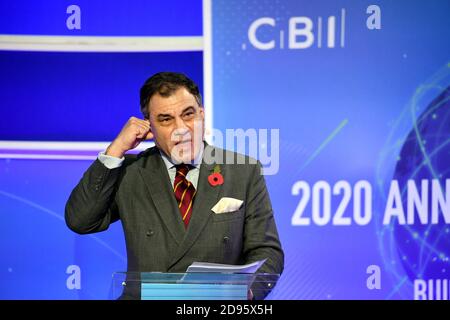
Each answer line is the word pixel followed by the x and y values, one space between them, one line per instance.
pixel 225 268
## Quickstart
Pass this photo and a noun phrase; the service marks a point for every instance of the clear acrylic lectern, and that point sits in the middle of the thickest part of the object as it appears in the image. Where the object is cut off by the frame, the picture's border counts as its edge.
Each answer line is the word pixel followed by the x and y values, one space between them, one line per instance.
pixel 192 286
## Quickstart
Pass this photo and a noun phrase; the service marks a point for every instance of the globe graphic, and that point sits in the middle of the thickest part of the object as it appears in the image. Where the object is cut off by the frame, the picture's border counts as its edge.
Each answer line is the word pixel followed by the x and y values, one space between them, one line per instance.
pixel 424 249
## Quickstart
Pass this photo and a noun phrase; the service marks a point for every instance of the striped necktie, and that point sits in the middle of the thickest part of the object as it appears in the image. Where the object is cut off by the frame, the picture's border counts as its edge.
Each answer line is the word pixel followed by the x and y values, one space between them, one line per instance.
pixel 184 192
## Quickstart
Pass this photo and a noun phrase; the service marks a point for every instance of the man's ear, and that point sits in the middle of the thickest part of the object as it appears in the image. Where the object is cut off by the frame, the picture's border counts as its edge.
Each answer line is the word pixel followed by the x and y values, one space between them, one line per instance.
pixel 150 135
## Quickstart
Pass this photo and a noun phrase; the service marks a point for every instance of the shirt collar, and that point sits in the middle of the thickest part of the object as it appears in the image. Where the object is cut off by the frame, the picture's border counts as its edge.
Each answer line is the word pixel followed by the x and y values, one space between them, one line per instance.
pixel 196 163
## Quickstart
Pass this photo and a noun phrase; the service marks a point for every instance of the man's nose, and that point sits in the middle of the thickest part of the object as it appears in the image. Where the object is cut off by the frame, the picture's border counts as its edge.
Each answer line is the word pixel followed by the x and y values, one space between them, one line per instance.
pixel 180 126
pixel 179 123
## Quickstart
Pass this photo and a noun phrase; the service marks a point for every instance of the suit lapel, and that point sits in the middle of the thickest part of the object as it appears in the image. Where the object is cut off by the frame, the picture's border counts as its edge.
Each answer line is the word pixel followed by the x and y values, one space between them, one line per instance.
pixel 206 197
pixel 157 181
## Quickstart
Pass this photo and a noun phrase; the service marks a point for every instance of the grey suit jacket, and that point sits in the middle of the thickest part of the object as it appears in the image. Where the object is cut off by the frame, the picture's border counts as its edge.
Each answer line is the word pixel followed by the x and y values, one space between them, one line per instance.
pixel 139 193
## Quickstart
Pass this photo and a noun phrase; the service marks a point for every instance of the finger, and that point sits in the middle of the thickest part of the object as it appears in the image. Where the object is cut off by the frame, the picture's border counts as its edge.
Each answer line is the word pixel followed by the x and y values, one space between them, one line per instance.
pixel 141 134
pixel 143 122
pixel 139 126
pixel 136 121
pixel 140 130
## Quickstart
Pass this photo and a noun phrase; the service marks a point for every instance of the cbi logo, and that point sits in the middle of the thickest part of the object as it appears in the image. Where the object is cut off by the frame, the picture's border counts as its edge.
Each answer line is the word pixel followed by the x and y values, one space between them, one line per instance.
pixel 304 32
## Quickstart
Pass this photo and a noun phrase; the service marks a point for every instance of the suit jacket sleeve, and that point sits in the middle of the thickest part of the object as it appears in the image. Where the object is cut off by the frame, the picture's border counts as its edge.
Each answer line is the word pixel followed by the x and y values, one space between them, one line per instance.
pixel 261 237
pixel 91 206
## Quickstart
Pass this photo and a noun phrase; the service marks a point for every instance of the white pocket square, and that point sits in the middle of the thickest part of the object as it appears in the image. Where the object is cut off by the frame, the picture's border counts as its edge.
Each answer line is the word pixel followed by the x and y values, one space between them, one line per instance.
pixel 227 205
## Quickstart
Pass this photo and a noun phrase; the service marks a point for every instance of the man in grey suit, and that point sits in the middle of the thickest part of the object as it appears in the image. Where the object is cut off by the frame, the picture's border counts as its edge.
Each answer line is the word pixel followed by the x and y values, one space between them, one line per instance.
pixel 182 200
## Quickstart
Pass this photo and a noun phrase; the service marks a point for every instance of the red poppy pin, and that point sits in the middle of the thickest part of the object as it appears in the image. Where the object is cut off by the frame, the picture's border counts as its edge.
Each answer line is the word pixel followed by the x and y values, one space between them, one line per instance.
pixel 215 178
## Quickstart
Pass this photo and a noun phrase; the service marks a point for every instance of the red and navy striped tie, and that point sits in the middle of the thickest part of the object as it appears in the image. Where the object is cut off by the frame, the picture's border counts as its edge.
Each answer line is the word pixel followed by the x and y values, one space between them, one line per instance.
pixel 184 192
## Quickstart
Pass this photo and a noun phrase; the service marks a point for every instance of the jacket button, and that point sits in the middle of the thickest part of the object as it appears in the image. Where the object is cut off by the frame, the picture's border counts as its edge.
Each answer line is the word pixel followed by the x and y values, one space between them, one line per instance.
pixel 150 233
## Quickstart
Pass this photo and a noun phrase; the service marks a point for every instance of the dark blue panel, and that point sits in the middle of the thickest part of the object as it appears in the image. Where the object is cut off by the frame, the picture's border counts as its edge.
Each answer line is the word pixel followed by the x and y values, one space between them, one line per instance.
pixel 36 246
pixel 122 18
pixel 79 96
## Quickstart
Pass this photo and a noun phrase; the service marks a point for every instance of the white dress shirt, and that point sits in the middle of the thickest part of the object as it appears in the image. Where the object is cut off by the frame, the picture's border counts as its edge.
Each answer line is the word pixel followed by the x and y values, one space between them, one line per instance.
pixel 113 162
